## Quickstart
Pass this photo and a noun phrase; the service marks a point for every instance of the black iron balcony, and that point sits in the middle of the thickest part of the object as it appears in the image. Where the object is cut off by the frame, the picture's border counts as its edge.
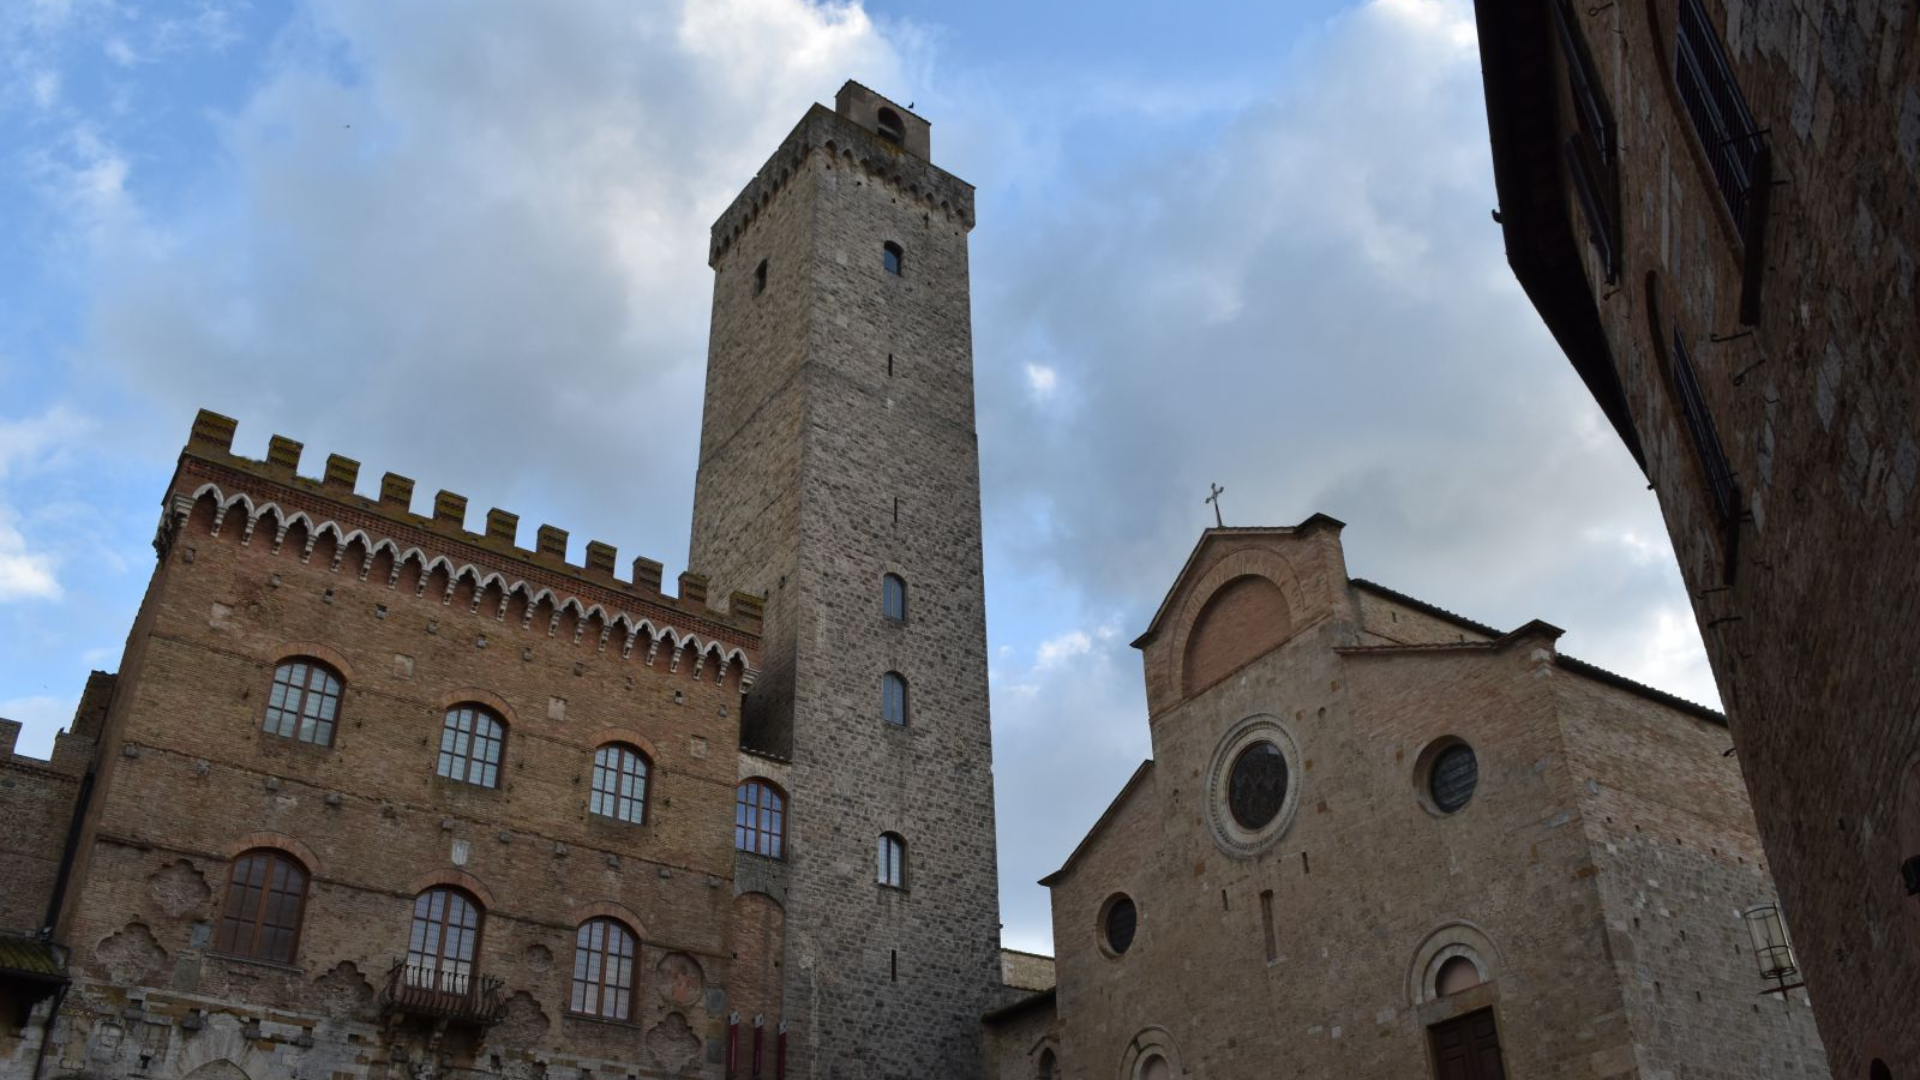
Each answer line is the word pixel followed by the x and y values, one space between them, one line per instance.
pixel 459 997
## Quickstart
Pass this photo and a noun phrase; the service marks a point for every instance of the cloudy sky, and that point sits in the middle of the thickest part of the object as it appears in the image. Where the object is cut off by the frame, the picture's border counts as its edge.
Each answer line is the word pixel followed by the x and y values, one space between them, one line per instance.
pixel 1244 244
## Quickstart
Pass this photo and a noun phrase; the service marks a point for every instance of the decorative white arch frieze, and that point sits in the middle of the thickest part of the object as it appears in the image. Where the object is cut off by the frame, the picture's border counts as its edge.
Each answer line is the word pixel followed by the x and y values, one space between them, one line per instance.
pixel 680 643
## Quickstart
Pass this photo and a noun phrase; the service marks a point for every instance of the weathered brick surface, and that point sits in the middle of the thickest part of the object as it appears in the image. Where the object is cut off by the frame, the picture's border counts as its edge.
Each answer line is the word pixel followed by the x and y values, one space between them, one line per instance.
pixel 1808 617
pixel 838 446
pixel 1597 875
pixel 189 778
pixel 38 799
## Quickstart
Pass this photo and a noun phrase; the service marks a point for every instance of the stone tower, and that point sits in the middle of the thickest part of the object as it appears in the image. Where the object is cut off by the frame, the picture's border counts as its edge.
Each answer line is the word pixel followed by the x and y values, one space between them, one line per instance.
pixel 837 449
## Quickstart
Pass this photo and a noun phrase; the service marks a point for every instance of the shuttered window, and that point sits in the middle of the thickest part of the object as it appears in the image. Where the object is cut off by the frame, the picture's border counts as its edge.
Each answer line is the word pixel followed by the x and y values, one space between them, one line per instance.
pixel 266 896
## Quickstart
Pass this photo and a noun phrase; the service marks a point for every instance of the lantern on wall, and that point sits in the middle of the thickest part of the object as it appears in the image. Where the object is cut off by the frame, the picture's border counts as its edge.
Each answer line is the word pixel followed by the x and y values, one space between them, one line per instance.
pixel 1771 949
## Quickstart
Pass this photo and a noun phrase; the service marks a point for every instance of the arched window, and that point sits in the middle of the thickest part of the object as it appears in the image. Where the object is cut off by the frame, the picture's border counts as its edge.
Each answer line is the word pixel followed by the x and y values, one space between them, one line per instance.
pixel 304 701
pixel 1156 1068
pixel 759 818
pixel 470 746
pixel 893 597
pixel 893 257
pixel 891 128
pixel 760 278
pixel 893 698
pixel 444 940
pixel 1457 974
pixel 620 783
pixel 1048 1068
pixel 603 970
pixel 266 894
pixel 893 861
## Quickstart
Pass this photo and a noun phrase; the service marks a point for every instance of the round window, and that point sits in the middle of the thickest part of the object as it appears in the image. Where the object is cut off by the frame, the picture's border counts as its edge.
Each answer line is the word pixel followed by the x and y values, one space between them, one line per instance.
pixel 1253 786
pixel 1456 772
pixel 1257 786
pixel 1121 920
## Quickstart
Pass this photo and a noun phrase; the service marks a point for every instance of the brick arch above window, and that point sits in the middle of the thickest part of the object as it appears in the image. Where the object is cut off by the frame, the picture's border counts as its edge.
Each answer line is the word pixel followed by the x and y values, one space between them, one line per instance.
pixel 451 878
pixel 1228 570
pixel 1458 939
pixel 631 738
pixel 292 846
pixel 334 658
pixel 607 909
pixel 472 695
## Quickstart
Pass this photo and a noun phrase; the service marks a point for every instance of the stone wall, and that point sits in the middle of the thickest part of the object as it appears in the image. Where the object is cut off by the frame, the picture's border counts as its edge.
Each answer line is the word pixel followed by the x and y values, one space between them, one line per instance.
pixel 1806 602
pixel 838 443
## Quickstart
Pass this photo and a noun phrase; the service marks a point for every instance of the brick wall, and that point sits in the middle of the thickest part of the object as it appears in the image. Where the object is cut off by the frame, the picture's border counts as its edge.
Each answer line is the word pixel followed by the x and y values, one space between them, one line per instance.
pixel 190 779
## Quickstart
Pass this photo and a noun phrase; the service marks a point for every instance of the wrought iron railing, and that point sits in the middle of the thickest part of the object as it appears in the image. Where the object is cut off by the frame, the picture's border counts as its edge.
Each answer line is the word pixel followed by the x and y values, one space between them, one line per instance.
pixel 1706 439
pixel 1713 102
pixel 1591 149
pixel 464 997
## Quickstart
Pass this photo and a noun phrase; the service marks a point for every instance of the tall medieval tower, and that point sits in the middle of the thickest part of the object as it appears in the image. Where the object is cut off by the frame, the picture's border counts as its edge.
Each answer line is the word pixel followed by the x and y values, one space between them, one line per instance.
pixel 839 475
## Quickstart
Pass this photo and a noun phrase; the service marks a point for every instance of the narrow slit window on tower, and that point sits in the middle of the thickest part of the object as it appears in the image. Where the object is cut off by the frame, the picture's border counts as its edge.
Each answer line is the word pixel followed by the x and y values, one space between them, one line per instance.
pixel 893 698
pixel 760 278
pixel 893 597
pixel 1266 921
pixel 893 257
pixel 893 861
pixel 889 365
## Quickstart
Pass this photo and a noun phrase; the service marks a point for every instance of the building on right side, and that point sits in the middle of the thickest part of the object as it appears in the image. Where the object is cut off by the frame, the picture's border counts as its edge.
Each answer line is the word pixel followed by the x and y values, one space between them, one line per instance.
pixel 1712 205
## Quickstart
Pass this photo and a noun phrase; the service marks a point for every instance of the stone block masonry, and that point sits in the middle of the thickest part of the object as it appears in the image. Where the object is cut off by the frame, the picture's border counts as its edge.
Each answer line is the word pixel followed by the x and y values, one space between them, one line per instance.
pixel 838 447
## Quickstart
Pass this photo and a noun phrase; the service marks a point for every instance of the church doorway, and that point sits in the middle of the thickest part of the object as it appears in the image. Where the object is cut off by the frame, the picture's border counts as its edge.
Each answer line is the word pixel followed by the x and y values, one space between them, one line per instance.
pixel 1467 1048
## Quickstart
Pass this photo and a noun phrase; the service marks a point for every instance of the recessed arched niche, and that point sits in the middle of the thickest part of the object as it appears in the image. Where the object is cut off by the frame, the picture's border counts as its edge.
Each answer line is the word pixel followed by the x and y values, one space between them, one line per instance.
pixel 1241 620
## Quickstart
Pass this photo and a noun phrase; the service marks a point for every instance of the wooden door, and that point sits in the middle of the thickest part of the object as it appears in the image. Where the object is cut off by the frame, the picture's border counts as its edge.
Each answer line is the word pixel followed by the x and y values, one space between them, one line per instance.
pixel 1468 1048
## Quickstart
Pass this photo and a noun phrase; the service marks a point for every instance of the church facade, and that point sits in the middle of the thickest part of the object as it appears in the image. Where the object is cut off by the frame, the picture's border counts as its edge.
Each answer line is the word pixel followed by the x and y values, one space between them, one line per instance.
pixel 375 796
pixel 1379 840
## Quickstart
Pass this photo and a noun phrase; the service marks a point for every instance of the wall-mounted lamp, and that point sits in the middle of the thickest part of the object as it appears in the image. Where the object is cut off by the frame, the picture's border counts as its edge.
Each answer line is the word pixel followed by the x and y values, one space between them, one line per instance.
pixel 1771 949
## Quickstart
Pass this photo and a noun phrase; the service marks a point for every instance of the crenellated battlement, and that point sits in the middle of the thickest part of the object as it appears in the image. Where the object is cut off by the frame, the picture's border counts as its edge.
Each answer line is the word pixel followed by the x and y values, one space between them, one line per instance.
pixel 270 498
pixel 826 138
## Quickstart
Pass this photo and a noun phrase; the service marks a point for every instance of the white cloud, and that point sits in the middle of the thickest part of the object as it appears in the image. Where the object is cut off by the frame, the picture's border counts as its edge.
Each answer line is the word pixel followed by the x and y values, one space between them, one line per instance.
pixel 500 220
pixel 32 440
pixel 1058 650
pixel 41 718
pixel 24 574
pixel 1042 380
pixel 119 51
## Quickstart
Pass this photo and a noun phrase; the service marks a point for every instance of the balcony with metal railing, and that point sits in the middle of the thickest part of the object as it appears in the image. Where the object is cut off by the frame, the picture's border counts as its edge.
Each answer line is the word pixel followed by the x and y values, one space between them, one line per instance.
pixel 440 994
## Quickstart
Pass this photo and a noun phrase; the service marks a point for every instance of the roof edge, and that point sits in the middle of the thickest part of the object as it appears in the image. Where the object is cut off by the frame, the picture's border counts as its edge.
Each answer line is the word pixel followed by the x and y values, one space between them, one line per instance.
pixel 1013 1009
pixel 1100 823
pixel 1315 520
